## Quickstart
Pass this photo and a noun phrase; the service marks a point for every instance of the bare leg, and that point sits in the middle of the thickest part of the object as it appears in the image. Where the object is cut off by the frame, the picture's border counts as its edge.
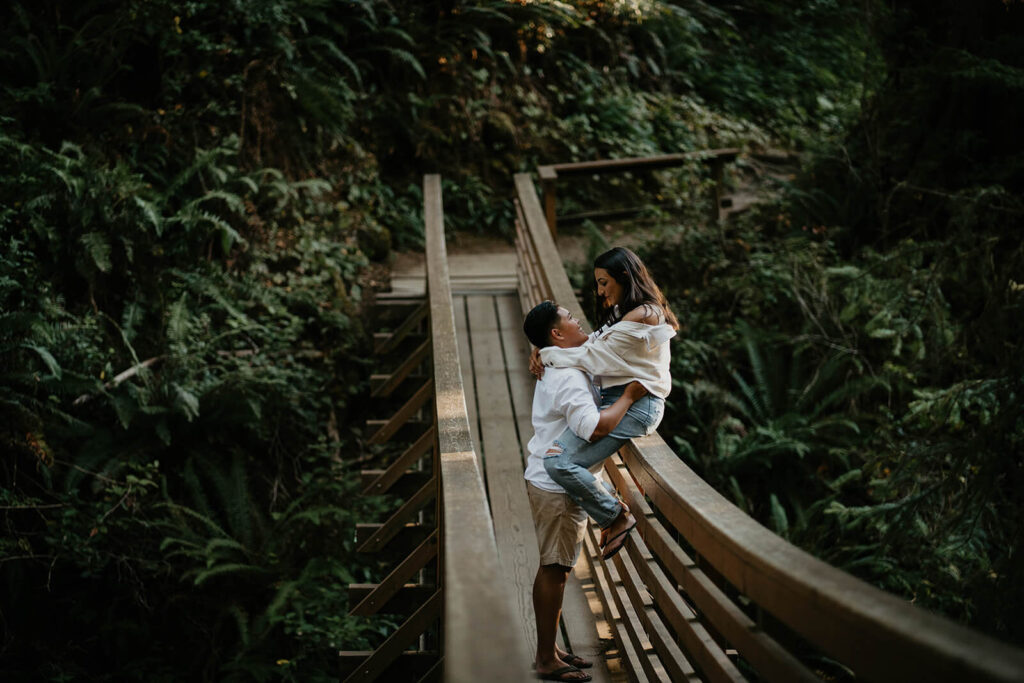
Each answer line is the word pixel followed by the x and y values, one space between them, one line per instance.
pixel 548 589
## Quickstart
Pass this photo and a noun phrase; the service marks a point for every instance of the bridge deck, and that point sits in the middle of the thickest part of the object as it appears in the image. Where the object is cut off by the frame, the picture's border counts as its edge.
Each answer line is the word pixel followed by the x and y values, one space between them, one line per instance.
pixel 499 391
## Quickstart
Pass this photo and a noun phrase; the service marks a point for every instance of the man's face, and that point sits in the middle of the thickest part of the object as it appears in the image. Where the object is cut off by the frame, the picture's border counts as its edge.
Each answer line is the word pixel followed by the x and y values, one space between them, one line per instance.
pixel 567 333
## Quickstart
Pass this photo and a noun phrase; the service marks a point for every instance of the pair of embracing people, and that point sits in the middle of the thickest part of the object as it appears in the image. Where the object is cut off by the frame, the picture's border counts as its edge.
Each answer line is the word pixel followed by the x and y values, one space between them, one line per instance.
pixel 577 425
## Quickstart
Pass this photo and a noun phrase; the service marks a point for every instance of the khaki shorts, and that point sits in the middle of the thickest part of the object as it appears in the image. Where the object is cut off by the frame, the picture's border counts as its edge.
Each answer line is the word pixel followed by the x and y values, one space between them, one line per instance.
pixel 560 524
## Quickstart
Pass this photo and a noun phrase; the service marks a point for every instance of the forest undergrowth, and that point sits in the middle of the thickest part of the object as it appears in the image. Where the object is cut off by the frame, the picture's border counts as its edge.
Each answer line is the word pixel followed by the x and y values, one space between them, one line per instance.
pixel 194 198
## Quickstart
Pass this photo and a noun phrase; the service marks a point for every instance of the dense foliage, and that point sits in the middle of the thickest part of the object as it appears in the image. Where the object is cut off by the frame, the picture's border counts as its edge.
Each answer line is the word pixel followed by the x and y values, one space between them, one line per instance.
pixel 192 197
pixel 852 367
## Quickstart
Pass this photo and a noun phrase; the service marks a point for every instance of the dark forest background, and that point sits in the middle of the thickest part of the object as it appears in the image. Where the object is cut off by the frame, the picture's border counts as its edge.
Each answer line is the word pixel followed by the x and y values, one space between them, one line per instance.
pixel 195 198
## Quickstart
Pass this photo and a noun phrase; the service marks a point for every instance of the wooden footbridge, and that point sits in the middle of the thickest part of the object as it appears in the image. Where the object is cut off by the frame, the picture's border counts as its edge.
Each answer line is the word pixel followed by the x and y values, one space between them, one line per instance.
pixel 702 591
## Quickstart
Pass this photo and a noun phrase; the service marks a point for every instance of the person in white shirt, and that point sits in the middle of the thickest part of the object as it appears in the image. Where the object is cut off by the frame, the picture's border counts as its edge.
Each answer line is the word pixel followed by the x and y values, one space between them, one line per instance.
pixel 628 347
pixel 564 399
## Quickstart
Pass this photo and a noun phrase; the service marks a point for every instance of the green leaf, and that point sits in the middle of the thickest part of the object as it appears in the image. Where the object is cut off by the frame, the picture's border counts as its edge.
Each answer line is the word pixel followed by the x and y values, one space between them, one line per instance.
pixel 178 320
pixel 126 407
pixel 98 248
pixel 48 359
pixel 187 402
pixel 151 214
pixel 231 568
pixel 779 519
pixel 163 432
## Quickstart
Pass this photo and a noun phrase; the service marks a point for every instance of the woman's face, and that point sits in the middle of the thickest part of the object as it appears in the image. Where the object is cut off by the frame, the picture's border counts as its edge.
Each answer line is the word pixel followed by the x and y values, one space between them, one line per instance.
pixel 608 290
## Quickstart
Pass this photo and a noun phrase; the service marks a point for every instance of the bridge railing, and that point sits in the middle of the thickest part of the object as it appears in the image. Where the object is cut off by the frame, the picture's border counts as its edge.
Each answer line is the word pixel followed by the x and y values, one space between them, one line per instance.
pixel 705 591
pixel 479 638
pixel 714 159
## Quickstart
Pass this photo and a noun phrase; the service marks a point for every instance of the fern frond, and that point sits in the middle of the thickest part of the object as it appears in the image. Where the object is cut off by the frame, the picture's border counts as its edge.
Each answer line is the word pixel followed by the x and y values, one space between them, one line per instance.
pixel 202 519
pixel 202 577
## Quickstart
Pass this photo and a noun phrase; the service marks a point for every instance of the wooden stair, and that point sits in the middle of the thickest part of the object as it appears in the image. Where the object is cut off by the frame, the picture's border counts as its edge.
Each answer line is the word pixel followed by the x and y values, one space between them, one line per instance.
pixel 407 542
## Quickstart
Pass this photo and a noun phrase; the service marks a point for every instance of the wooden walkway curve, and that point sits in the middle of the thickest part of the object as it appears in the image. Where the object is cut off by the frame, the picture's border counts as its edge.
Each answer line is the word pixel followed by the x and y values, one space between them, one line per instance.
pixel 702 592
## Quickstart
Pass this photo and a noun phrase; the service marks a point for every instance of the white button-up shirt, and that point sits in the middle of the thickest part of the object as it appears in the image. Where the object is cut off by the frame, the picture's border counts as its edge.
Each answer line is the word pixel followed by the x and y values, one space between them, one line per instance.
pixel 563 397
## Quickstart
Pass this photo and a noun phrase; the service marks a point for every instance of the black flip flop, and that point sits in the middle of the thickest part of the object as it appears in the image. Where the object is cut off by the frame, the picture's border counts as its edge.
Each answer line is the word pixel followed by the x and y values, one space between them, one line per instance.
pixel 611 549
pixel 576 660
pixel 558 675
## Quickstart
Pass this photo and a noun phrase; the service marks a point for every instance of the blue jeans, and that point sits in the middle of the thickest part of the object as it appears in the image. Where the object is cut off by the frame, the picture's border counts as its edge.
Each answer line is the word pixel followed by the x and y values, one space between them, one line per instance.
pixel 570 468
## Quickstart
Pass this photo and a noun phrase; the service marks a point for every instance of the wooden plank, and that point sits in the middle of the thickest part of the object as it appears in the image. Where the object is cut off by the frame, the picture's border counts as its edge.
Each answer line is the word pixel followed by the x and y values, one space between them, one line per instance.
pixel 405 600
pixel 527 288
pixel 466 366
pixel 397 578
pixel 408 325
pixel 398 641
pixel 549 183
pixel 503 465
pixel 435 673
pixel 605 588
pixel 406 433
pixel 378 379
pixel 477 609
pixel 580 619
pixel 878 635
pixel 380 337
pixel 407 666
pixel 406 460
pixel 407 538
pixel 397 521
pixel 517 367
pixel 538 286
pixel 402 371
pixel 408 483
pixel 388 429
pixel 671 656
pixel 530 260
pixel 393 301
pixel 412 480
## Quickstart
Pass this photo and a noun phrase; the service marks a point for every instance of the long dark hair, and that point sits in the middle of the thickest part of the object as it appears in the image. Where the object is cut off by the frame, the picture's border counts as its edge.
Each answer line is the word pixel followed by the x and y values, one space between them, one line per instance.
pixel 638 286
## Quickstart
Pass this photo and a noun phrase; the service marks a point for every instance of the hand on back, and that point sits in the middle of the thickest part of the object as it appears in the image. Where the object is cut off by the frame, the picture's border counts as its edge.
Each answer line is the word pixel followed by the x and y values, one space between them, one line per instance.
pixel 635 390
pixel 536 367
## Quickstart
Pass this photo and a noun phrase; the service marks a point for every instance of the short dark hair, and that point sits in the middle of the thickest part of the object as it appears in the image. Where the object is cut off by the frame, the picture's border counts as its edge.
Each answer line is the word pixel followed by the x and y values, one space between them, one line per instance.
pixel 539 322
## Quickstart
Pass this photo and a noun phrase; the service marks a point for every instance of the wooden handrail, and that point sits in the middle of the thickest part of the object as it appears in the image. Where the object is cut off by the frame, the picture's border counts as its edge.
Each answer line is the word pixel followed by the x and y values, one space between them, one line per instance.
pixel 715 158
pixel 875 634
pixel 575 168
pixel 479 634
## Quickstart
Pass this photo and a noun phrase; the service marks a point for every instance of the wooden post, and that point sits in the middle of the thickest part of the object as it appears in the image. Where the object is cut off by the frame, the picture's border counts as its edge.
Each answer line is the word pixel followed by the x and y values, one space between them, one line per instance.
pixel 548 180
pixel 715 193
